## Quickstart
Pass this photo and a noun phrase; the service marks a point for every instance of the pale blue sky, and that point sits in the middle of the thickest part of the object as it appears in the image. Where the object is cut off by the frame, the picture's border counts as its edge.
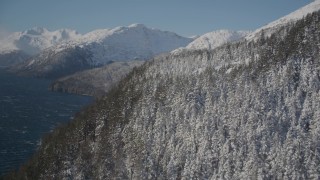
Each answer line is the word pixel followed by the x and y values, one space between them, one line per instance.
pixel 185 17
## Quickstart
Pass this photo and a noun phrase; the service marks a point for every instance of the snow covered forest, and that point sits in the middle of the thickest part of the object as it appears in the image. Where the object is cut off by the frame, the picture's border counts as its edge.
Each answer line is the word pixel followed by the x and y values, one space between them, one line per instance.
pixel 244 110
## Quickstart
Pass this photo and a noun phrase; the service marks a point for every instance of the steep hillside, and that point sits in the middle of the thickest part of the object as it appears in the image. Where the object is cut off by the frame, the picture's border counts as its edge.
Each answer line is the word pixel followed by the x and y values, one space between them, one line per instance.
pixel 102 46
pixel 247 110
pixel 97 81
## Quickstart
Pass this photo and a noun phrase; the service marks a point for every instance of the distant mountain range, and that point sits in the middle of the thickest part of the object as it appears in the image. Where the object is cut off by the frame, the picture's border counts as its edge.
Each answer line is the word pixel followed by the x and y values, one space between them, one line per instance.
pixel 99 47
pixel 35 40
pixel 51 54
pixel 19 46
pixel 41 53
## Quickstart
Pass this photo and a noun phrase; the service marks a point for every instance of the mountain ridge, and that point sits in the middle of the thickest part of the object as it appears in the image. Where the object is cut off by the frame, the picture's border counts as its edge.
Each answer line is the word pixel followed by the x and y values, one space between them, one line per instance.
pixel 100 47
pixel 34 40
pixel 217 38
pixel 271 27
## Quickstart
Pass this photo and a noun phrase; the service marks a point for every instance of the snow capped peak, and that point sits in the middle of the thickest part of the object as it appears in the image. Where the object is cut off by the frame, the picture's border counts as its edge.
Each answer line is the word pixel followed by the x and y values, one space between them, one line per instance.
pixel 194 36
pixel 66 34
pixel 68 31
pixel 292 17
pixel 137 25
pixel 135 41
pixel 214 39
pixel 35 31
pixel 100 35
pixel 36 39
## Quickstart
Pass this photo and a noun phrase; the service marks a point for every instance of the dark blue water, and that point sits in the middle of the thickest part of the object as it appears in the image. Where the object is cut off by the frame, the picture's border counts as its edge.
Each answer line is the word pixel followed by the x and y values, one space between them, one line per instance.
pixel 28 111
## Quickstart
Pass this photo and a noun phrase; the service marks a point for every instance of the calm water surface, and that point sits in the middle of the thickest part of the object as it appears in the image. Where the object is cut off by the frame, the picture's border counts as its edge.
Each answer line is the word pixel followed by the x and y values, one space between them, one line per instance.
pixel 28 111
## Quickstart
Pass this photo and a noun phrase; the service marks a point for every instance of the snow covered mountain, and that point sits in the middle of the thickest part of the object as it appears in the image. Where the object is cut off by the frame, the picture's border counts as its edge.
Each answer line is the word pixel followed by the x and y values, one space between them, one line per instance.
pixel 272 27
pixel 102 46
pixel 98 81
pixel 246 110
pixel 126 43
pixel 19 46
pixel 33 41
pixel 214 39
